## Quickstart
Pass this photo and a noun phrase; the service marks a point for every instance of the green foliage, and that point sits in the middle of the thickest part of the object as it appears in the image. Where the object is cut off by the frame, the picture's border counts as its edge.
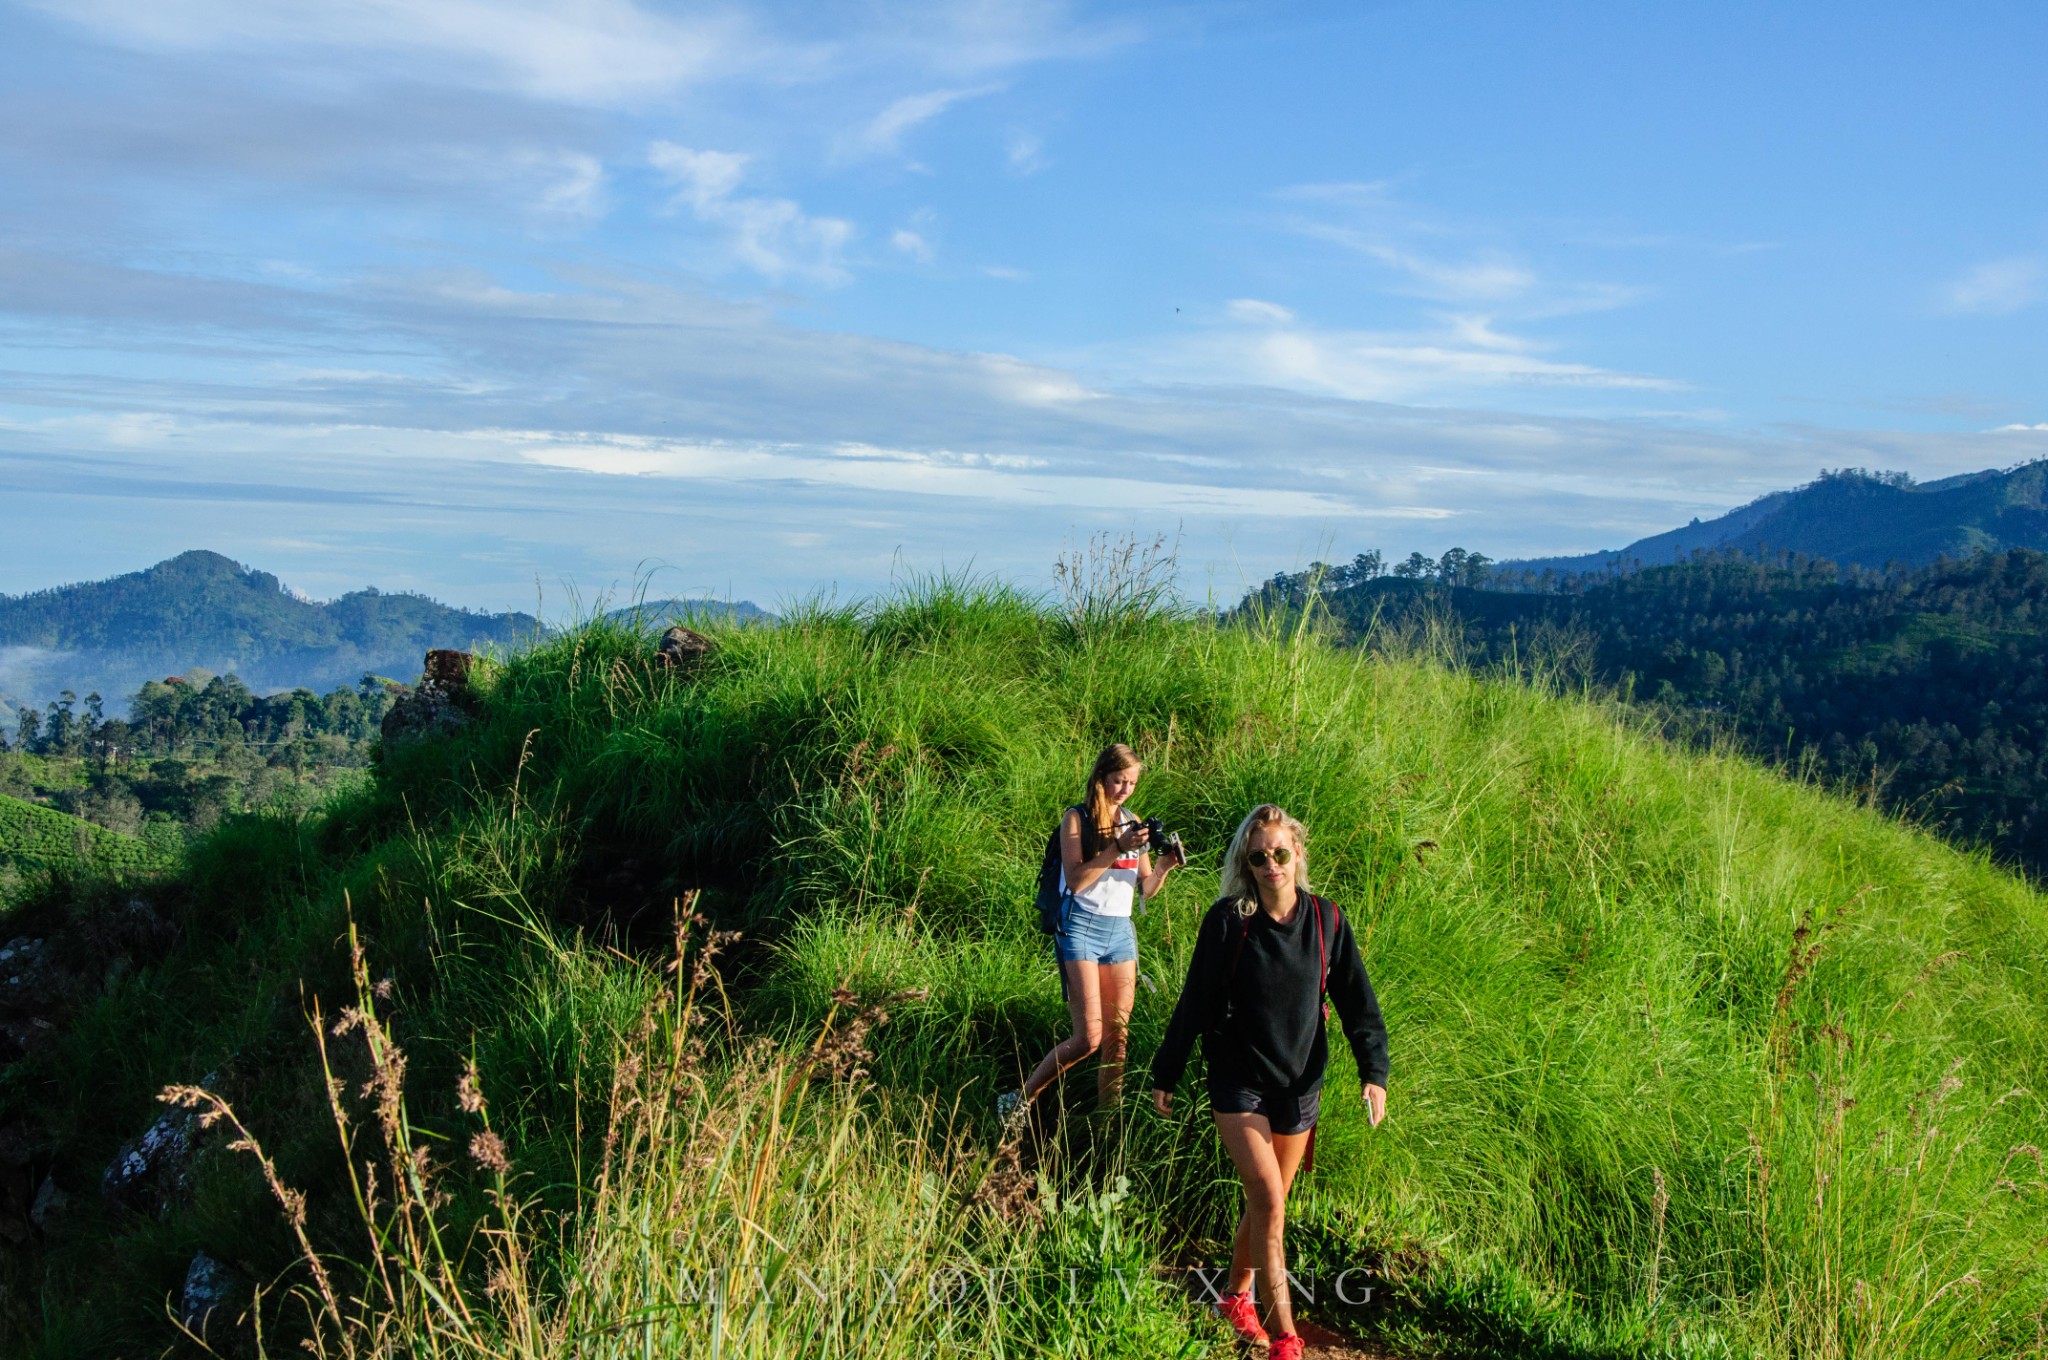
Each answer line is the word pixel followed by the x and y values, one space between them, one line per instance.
pixel 1688 1060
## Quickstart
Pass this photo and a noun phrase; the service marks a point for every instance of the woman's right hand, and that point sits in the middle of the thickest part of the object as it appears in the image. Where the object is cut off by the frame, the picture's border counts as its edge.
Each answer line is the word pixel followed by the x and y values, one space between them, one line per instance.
pixel 1132 838
pixel 1162 1102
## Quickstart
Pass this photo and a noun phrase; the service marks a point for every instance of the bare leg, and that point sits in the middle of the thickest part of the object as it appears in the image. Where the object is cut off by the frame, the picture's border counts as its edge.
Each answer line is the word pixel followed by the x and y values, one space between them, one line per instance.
pixel 1118 982
pixel 1266 1163
pixel 1084 1008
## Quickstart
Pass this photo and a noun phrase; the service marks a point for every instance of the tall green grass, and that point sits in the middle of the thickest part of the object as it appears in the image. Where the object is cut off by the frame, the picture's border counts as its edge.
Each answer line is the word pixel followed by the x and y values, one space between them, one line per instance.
pixel 1688 1059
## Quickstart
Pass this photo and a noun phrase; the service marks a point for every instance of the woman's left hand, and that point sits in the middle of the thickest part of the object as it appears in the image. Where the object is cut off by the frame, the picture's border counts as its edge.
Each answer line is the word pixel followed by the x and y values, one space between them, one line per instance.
pixel 1375 1098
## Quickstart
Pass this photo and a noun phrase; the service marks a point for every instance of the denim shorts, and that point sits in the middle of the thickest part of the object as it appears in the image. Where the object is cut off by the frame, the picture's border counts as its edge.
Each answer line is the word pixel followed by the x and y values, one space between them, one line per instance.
pixel 1088 936
pixel 1287 1114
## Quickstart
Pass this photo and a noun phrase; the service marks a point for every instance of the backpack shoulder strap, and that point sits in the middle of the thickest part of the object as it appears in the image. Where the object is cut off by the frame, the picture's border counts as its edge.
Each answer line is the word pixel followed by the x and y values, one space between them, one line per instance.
pixel 1322 945
pixel 1244 930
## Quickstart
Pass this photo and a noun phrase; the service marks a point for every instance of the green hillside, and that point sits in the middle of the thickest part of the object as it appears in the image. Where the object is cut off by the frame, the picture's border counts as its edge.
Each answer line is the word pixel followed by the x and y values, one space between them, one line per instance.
pixel 1855 518
pixel 200 609
pixel 37 838
pixel 1687 1060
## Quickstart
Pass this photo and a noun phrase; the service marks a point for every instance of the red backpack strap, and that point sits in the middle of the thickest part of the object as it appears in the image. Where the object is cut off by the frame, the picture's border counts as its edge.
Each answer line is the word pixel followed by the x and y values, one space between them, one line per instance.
pixel 1322 949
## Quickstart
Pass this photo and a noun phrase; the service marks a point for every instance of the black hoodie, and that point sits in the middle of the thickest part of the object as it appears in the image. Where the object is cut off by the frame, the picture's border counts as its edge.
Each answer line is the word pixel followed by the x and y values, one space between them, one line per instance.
pixel 1253 996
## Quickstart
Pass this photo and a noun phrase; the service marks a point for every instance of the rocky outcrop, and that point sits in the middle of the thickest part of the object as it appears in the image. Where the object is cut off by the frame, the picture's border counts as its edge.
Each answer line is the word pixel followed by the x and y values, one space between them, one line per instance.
pixel 683 648
pixel 151 1172
pixel 43 980
pixel 443 703
pixel 32 989
pixel 215 1293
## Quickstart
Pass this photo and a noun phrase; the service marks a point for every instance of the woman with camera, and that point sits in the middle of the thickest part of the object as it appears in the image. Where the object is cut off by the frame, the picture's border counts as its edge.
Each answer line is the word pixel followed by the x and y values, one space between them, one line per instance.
pixel 1267 956
pixel 1104 866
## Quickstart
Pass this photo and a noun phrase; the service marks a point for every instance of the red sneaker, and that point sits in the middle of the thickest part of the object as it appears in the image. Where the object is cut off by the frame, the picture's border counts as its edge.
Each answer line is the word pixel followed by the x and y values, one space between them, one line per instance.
pixel 1287 1347
pixel 1243 1316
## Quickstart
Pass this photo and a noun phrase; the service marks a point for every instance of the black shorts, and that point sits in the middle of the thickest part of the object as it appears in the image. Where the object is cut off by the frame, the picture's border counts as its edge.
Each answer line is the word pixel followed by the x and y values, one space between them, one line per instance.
pixel 1287 1114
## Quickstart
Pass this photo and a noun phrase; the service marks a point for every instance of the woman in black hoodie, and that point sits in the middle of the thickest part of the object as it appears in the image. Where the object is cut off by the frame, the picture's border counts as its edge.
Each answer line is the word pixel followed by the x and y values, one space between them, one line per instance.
pixel 1268 955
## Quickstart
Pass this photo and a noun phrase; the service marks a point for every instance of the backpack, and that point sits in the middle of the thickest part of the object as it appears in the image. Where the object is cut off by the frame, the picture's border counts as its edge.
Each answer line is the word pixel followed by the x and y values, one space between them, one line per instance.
pixel 1049 894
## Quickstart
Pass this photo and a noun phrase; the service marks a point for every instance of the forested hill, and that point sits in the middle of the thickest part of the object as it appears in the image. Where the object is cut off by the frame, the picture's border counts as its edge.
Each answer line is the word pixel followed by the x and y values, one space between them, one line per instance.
pixel 1853 517
pixel 201 610
pixel 1929 686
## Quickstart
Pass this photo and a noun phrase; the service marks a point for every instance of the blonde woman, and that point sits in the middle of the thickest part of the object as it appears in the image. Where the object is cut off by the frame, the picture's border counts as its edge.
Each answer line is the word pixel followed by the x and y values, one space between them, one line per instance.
pixel 1104 868
pixel 1268 954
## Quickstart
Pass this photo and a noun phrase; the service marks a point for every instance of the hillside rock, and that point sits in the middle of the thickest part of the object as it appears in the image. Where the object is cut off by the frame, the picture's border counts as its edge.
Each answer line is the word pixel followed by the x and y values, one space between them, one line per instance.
pixel 214 1294
pixel 152 1172
pixel 443 703
pixel 683 648
pixel 31 990
pixel 51 1204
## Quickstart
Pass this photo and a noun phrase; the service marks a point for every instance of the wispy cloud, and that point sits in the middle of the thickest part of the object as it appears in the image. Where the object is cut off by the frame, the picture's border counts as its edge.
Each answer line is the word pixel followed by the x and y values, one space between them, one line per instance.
pixel 773 236
pixel 591 50
pixel 1423 256
pixel 1460 357
pixel 885 132
pixel 2000 287
pixel 1025 153
pixel 910 243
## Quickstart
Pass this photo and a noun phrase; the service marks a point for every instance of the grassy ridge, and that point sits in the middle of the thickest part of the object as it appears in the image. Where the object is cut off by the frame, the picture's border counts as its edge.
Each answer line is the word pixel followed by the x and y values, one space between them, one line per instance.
pixel 1687 1059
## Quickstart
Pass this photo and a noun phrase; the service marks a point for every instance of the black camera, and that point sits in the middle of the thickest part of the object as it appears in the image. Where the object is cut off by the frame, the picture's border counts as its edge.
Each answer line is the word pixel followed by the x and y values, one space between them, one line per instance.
pixel 1163 841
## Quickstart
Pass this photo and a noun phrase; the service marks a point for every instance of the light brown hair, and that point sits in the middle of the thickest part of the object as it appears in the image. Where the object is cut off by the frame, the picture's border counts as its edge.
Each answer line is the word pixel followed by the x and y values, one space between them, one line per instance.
pixel 1097 812
pixel 1237 882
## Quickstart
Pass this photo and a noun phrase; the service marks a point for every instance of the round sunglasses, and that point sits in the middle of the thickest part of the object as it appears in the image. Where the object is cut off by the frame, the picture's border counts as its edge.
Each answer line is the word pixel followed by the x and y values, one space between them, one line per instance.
pixel 1280 855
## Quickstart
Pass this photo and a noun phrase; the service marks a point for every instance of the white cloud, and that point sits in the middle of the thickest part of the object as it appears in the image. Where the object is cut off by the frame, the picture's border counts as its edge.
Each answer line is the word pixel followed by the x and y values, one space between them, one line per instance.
pixel 563 183
pixel 1437 260
pixel 578 50
pixel 1005 273
pixel 884 133
pixel 2000 287
pixel 1255 311
pixel 773 236
pixel 911 244
pixel 1462 358
pixel 1365 367
pixel 1026 154
pixel 1004 480
pixel 1488 277
pixel 2022 429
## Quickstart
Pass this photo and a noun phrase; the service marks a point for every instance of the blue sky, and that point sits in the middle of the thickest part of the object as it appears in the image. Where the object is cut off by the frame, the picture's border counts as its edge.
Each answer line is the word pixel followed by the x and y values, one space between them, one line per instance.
pixel 479 298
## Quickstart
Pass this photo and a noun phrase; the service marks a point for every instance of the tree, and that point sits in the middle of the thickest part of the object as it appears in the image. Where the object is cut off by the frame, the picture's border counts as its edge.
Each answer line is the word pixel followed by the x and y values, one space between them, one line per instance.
pixel 1415 568
pixel 60 730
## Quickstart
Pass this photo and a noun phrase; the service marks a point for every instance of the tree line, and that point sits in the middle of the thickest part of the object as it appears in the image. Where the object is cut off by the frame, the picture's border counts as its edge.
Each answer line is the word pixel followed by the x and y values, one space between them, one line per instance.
pixel 191 749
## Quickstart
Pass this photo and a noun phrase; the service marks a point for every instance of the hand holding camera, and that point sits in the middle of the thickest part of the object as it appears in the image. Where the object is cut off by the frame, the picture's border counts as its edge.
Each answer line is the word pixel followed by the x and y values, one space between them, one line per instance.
pixel 1167 843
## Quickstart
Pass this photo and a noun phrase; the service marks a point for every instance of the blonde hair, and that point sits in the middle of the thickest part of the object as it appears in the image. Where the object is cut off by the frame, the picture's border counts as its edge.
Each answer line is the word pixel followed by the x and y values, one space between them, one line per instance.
pixel 1098 812
pixel 1237 883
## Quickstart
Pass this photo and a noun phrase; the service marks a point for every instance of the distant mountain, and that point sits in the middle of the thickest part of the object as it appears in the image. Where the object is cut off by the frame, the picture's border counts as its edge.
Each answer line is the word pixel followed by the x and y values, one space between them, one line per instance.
pixel 665 612
pixel 201 610
pixel 1855 517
